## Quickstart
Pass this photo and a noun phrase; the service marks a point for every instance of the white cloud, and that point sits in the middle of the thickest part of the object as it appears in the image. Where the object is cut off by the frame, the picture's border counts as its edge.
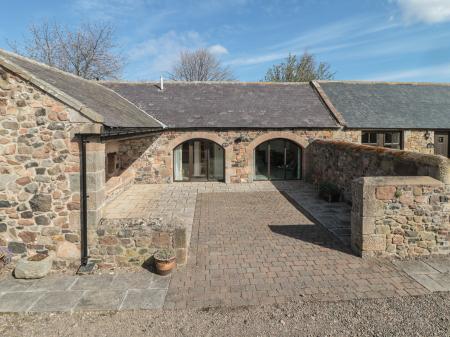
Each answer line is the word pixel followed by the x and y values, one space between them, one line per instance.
pixel 340 35
pixel 440 71
pixel 156 56
pixel 218 49
pixel 428 11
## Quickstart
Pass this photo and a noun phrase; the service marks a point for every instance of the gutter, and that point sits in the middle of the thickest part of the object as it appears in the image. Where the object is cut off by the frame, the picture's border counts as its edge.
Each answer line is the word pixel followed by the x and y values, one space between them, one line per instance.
pixel 83 206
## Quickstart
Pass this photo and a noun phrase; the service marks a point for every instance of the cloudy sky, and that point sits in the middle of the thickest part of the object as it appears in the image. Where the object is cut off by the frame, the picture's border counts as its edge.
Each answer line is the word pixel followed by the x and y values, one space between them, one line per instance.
pixel 395 40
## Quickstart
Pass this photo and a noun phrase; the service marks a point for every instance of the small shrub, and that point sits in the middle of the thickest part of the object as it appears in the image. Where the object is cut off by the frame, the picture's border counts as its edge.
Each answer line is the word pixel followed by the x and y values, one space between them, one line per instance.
pixel 165 254
pixel 398 194
pixel 329 191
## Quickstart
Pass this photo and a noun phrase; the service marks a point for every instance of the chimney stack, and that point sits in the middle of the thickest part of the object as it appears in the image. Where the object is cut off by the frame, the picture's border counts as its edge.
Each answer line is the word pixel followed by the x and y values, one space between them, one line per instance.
pixel 161 83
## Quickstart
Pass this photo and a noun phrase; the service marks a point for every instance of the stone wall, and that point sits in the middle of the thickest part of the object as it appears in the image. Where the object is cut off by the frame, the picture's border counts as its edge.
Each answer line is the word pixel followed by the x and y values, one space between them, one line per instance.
pixel 418 140
pixel 39 167
pixel 150 157
pixel 125 242
pixel 400 216
pixel 340 162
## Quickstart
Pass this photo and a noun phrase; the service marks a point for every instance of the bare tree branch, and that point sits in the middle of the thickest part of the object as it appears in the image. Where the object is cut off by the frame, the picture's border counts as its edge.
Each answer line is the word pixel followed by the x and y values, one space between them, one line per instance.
pixel 299 69
pixel 87 51
pixel 199 65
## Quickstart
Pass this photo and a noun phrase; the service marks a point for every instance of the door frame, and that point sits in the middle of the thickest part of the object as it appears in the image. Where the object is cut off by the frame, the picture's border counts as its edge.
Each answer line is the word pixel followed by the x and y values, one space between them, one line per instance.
pixel 285 140
pixel 447 133
pixel 190 143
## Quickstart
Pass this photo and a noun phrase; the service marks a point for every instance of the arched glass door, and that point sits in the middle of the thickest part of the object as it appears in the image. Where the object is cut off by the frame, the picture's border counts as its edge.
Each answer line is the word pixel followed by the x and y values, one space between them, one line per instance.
pixel 198 160
pixel 278 159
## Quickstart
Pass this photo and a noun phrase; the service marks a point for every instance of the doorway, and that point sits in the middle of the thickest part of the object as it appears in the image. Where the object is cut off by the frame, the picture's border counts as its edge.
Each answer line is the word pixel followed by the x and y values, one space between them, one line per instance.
pixel 278 159
pixel 441 143
pixel 199 160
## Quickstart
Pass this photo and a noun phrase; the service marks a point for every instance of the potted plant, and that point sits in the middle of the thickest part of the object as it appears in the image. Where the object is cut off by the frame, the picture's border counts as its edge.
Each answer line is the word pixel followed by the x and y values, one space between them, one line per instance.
pixel 165 261
pixel 329 192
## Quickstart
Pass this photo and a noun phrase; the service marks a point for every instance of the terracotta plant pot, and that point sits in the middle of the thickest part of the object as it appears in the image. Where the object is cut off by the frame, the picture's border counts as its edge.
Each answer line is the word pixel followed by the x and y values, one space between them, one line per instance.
pixel 164 267
pixel 165 261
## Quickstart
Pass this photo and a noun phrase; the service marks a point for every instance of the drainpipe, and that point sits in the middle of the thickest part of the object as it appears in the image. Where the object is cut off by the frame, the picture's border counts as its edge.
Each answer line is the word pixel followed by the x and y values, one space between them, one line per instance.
pixel 83 208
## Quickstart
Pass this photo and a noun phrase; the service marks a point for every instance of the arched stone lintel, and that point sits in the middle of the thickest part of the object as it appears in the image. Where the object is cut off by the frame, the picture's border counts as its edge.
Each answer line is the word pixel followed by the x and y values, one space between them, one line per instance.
pixel 211 136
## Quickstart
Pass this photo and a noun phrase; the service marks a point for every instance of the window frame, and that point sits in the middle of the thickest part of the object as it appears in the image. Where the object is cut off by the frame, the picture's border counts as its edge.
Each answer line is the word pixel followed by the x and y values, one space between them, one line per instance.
pixel 381 139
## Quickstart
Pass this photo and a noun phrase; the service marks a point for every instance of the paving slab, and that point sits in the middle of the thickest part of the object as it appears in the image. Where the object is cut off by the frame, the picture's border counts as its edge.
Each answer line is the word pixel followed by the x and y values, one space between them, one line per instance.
pixel 428 282
pixel 56 301
pixel 440 264
pixel 53 283
pixel 95 300
pixel 415 267
pixel 10 284
pixel 93 282
pixel 141 280
pixel 144 299
pixel 18 301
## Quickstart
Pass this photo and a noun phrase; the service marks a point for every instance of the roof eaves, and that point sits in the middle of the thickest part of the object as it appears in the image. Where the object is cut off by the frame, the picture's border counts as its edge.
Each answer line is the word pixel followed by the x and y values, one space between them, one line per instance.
pixel 326 100
pixel 51 90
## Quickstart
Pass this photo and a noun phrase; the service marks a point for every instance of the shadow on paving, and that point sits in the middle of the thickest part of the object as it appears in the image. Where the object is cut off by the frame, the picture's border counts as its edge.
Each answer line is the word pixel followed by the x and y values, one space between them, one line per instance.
pixel 251 248
pixel 307 233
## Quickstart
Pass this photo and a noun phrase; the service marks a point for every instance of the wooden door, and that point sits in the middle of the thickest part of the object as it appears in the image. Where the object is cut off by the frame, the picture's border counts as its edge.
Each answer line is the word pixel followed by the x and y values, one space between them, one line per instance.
pixel 441 143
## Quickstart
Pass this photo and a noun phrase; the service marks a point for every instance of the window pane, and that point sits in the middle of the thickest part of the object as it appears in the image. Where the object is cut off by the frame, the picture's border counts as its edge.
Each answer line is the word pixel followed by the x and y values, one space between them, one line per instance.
pixel 368 137
pixel 392 140
pixel 216 156
pixel 185 161
pixel 178 163
pixel 261 164
pixel 293 161
pixel 277 164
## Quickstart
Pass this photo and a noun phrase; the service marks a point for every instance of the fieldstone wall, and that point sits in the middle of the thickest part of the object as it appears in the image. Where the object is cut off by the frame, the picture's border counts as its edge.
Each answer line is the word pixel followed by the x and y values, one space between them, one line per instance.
pixel 150 157
pixel 39 172
pixel 125 242
pixel 418 140
pixel 341 162
pixel 400 216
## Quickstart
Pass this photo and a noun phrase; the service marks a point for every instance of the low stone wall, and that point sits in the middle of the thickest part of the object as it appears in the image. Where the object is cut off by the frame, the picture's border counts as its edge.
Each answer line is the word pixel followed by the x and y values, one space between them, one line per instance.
pixel 340 163
pixel 400 216
pixel 128 242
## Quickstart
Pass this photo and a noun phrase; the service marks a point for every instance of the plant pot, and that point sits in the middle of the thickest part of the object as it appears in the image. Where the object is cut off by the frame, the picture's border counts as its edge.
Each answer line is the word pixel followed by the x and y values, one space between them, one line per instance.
pixel 165 267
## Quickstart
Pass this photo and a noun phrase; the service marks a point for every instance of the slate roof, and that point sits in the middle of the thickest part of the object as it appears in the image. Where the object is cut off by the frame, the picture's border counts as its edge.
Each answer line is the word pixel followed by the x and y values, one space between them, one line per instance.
pixel 229 104
pixel 384 105
pixel 116 111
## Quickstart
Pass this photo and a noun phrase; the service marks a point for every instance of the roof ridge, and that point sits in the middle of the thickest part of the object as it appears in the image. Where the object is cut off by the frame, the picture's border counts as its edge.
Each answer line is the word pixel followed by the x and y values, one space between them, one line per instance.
pixel 368 82
pixel 200 82
pixel 28 59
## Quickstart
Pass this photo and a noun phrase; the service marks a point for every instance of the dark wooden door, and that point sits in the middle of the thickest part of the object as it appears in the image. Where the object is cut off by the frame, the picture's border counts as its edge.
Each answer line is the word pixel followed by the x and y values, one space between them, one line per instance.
pixel 441 144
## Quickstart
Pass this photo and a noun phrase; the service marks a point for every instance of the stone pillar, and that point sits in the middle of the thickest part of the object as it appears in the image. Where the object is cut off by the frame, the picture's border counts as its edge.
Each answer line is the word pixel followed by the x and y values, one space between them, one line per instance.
pixel 365 210
pixel 95 185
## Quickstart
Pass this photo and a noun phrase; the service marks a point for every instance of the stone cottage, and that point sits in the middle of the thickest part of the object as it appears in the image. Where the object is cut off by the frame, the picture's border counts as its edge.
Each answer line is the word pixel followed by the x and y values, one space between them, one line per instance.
pixel 69 145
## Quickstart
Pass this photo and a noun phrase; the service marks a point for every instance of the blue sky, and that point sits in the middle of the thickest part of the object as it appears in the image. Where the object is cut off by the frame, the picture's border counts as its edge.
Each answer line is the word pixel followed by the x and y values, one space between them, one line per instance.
pixel 395 40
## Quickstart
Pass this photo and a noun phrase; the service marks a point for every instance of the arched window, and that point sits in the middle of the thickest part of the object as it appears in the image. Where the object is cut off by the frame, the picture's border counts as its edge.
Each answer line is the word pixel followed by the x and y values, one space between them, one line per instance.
pixel 278 159
pixel 198 160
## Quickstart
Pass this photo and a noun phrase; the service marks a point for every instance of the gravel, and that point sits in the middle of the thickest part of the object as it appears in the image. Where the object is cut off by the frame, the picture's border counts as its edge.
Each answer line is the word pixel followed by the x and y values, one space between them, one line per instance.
pixel 400 316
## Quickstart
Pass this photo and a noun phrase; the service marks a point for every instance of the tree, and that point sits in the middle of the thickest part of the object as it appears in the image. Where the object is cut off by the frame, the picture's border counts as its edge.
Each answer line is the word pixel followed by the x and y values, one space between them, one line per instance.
pixel 299 69
pixel 87 51
pixel 199 65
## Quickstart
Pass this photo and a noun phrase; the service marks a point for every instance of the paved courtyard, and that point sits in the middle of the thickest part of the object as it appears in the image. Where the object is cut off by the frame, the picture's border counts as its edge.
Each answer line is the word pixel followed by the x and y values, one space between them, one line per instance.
pixel 256 243
pixel 259 248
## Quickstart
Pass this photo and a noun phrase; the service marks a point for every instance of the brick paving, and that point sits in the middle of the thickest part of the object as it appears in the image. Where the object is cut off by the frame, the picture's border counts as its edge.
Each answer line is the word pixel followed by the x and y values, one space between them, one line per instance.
pixel 257 247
